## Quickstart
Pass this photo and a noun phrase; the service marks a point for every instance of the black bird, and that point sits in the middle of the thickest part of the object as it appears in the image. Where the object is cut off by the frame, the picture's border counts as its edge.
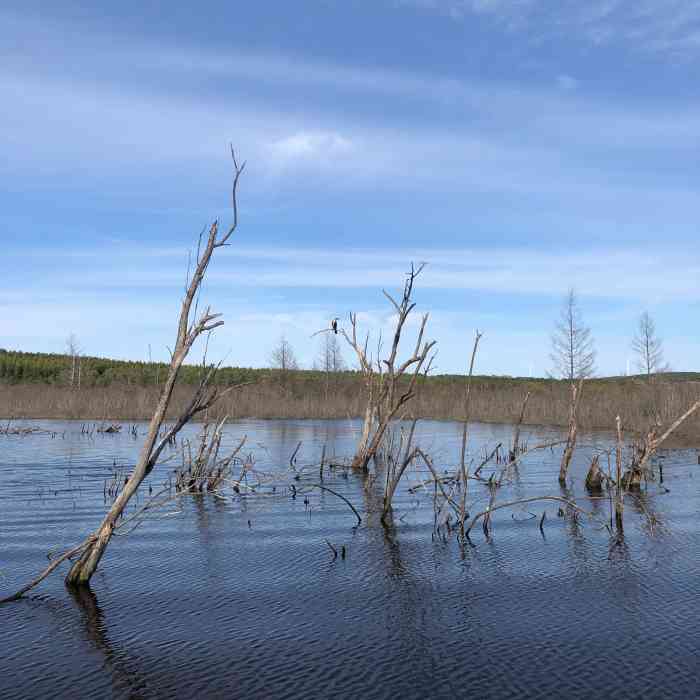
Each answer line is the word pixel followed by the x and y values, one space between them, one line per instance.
pixel 334 326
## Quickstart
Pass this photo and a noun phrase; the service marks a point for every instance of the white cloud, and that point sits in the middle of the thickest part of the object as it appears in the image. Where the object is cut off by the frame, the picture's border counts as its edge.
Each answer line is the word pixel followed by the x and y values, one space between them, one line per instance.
pixel 319 147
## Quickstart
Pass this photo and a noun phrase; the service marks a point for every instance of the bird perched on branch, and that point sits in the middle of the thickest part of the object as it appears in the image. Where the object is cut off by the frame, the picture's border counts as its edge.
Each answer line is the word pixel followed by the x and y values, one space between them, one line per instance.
pixel 334 326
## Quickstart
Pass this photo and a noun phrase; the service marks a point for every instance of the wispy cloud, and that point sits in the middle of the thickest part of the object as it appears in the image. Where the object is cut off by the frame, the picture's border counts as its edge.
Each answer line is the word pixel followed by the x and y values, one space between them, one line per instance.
pixel 613 274
pixel 320 148
pixel 668 26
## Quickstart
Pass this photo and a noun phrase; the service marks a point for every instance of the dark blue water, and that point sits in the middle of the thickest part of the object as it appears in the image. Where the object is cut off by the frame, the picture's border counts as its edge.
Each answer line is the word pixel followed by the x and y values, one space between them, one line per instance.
pixel 242 597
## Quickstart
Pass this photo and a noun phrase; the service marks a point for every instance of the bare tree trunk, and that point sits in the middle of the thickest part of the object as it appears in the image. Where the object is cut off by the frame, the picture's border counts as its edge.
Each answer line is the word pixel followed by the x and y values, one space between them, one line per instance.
pixel 93 547
pixel 619 503
pixel 573 431
pixel 82 570
pixel 464 477
pixel 516 438
pixel 594 477
pixel 360 460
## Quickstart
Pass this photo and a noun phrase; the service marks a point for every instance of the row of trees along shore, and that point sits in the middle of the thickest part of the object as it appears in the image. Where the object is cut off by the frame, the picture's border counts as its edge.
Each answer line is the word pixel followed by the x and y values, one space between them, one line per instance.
pixel 117 390
pixel 572 357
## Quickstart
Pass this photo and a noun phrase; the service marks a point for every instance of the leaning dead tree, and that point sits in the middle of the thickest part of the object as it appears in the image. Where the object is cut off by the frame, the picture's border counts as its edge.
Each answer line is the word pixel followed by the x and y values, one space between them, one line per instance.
pixel 190 327
pixel 645 449
pixel 389 383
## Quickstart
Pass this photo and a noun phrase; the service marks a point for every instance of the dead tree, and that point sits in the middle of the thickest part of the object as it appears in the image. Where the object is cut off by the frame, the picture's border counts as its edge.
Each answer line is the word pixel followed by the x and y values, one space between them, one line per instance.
pixel 463 475
pixel 645 450
pixel 576 392
pixel 516 437
pixel 189 329
pixel 619 497
pixel 399 458
pixel 595 476
pixel 389 383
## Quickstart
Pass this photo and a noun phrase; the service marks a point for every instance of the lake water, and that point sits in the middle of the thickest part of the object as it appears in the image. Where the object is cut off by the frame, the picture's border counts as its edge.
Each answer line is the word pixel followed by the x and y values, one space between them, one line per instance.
pixel 243 599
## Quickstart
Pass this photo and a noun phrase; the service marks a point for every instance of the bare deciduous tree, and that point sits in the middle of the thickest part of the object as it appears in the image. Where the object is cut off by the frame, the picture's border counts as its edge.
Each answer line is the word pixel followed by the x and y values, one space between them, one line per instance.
pixel 649 347
pixel 190 327
pixel 389 383
pixel 330 358
pixel 573 352
pixel 283 357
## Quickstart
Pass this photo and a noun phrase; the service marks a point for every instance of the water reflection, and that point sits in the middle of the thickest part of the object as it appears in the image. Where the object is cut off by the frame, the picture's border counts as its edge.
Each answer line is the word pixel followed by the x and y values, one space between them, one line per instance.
pixel 127 678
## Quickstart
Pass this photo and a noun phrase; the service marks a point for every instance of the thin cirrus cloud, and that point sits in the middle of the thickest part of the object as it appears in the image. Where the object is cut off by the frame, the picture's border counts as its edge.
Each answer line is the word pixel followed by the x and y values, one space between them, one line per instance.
pixel 622 274
pixel 661 26
pixel 97 130
pixel 567 146
pixel 266 292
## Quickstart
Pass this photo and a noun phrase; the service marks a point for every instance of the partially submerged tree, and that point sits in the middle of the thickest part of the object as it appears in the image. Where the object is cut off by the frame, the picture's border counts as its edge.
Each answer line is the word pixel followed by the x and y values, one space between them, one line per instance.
pixel 389 382
pixel 573 352
pixel 572 434
pixel 648 347
pixel 190 327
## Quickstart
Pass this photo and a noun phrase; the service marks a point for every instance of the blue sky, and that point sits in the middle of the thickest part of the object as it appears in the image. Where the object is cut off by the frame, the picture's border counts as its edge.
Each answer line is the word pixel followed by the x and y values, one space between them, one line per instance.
pixel 517 146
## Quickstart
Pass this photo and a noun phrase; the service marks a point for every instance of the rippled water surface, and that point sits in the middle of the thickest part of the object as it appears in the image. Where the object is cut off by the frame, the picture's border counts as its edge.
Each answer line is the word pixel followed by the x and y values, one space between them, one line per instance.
pixel 242 598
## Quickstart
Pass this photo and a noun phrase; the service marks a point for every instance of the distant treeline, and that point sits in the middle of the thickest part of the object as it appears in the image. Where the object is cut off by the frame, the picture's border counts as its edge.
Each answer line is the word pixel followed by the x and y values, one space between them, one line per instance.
pixel 34 385
pixel 33 367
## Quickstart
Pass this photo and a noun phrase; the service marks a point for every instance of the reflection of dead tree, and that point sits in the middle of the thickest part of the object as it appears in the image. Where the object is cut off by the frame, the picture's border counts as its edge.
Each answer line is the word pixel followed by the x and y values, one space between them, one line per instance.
pixel 126 674
pixel 92 549
pixel 389 384
pixel 576 392
pixel 449 494
pixel 486 514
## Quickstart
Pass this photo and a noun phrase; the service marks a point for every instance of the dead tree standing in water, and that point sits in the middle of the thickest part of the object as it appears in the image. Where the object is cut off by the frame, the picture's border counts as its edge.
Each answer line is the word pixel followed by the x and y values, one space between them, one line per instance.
pixel 576 392
pixel 91 550
pixel 389 384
